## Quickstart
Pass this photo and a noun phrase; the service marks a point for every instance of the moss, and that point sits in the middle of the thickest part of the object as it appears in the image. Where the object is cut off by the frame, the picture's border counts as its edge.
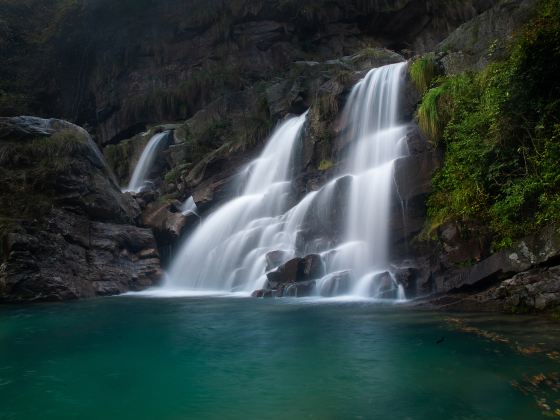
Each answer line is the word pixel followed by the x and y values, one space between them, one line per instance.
pixel 325 165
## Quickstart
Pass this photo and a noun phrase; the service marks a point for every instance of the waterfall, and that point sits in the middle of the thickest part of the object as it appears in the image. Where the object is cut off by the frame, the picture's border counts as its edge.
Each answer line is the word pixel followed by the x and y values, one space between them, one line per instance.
pixel 377 139
pixel 227 250
pixel 144 165
pixel 230 249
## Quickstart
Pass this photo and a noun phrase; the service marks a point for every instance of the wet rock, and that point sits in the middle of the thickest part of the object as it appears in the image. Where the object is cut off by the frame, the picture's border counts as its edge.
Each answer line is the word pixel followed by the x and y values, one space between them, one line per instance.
pixel 407 278
pixel 213 191
pixel 297 269
pixel 383 286
pixel 313 267
pixel 275 258
pixel 263 293
pixel 336 284
pixel 301 289
pixel 258 293
pixel 289 272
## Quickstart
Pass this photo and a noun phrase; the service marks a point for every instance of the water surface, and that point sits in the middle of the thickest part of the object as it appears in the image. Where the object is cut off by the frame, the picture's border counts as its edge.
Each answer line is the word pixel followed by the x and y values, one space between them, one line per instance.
pixel 239 358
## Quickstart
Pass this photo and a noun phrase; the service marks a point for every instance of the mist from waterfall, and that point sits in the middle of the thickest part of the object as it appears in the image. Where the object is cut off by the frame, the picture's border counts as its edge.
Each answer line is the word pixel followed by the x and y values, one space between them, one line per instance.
pixel 145 163
pixel 228 251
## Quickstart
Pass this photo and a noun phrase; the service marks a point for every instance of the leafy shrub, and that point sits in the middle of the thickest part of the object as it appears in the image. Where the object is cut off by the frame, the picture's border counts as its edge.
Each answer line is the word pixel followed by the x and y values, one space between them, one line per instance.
pixel 500 129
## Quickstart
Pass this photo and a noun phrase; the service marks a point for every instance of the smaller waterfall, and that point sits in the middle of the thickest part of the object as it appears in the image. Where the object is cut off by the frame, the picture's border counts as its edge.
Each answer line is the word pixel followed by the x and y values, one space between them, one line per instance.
pixel 227 251
pixel 142 169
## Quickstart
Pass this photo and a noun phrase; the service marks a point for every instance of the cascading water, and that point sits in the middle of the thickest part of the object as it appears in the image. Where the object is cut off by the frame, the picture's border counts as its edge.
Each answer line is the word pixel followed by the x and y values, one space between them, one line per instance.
pixel 144 165
pixel 227 252
pixel 377 140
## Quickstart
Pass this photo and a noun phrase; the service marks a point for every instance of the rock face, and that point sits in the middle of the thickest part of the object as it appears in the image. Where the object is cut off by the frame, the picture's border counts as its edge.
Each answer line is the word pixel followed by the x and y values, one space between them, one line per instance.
pixel 534 290
pixel 66 230
pixel 483 39
pixel 168 224
pixel 122 65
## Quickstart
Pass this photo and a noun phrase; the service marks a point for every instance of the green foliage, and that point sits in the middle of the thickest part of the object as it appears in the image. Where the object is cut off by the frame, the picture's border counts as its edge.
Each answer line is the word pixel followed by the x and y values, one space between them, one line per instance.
pixel 501 132
pixel 422 72
pixel 428 114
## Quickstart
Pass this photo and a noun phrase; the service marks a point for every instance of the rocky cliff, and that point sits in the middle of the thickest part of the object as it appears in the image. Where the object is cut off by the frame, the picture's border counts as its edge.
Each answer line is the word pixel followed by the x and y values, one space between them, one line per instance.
pixel 66 230
pixel 118 66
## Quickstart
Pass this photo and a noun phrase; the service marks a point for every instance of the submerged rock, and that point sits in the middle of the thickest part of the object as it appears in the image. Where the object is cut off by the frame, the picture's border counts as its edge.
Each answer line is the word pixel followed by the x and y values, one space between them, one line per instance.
pixel 336 284
pixel 66 230
pixel 383 286
pixel 301 289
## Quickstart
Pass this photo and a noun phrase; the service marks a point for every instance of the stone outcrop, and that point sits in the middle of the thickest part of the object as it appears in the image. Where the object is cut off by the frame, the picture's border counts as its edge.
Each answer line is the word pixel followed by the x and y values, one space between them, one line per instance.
pixel 535 290
pixel 519 279
pixel 485 38
pixel 66 230
pixel 168 224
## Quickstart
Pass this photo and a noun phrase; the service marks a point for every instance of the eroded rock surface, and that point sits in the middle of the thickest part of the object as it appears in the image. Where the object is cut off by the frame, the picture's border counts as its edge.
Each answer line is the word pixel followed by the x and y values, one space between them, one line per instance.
pixel 66 230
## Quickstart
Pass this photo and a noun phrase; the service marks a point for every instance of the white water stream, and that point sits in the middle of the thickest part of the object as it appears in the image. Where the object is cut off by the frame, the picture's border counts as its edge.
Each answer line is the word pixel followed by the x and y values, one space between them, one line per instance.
pixel 145 163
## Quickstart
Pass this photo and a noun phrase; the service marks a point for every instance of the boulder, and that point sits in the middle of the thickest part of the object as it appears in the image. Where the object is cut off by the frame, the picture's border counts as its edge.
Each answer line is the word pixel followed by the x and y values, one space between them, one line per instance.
pixel 301 289
pixel 296 270
pixel 407 277
pixel 263 293
pixel 289 272
pixel 533 290
pixel 336 284
pixel 383 286
pixel 70 233
pixel 166 220
pixel 313 267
